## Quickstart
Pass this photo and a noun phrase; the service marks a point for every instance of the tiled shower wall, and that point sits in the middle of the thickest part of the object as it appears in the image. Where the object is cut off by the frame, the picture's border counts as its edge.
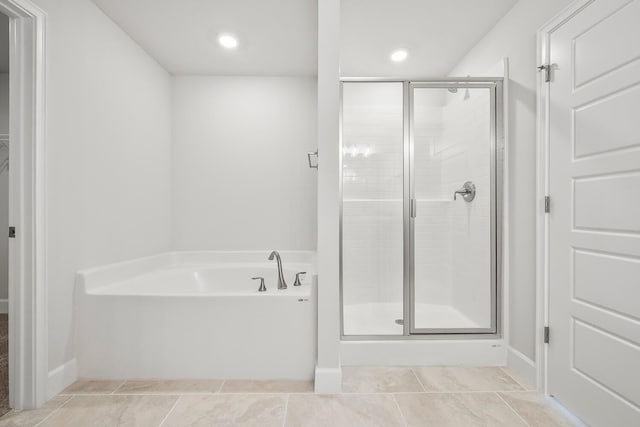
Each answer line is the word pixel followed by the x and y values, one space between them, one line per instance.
pixel 432 225
pixel 444 159
pixel 372 193
pixel 452 146
pixel 468 127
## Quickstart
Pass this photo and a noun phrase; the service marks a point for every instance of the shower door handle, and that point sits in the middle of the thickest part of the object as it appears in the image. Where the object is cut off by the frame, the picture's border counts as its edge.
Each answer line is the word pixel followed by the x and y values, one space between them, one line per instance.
pixel 413 208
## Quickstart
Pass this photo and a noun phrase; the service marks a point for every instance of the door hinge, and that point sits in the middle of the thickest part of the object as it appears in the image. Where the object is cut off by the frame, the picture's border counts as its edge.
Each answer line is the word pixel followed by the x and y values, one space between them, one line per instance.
pixel 547 72
pixel 546 335
pixel 547 204
pixel 12 232
pixel 413 208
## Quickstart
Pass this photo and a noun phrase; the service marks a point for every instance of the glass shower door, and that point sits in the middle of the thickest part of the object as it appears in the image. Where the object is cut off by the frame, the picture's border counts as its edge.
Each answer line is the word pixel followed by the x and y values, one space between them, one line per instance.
pixel 372 208
pixel 453 284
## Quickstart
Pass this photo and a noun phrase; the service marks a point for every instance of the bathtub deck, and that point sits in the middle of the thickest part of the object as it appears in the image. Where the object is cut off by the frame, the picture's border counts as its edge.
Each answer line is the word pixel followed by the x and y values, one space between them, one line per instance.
pixel 382 396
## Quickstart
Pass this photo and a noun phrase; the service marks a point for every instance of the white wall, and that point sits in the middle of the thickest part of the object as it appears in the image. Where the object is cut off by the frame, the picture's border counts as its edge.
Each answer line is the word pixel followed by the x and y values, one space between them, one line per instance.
pixel 108 154
pixel 240 174
pixel 515 37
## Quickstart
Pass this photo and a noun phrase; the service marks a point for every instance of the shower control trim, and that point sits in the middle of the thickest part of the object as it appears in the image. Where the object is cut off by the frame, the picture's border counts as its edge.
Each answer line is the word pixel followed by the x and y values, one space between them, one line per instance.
pixel 468 192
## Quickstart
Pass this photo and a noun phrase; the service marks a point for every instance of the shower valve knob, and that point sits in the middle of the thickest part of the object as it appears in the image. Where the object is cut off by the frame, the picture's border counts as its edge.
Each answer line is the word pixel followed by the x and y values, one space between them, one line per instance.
pixel 468 192
pixel 297 282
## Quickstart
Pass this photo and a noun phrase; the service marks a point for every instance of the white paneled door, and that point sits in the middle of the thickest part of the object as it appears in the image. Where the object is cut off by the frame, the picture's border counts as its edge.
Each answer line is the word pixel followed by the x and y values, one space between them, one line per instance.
pixel 594 223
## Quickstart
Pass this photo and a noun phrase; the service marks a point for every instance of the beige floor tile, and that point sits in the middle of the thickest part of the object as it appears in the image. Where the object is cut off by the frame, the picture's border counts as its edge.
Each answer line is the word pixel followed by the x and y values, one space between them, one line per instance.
pixel 537 410
pixel 525 384
pixel 371 410
pixel 228 410
pixel 112 411
pixel 89 386
pixel 456 410
pixel 463 378
pixel 279 386
pixel 34 416
pixel 169 386
pixel 360 379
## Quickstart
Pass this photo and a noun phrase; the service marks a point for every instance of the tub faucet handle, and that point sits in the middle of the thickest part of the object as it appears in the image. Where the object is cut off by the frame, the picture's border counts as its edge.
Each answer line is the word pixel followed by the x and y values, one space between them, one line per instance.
pixel 262 287
pixel 297 281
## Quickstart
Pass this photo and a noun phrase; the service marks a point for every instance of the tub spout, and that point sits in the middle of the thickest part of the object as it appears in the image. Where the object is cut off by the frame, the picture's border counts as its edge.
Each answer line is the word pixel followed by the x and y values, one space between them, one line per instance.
pixel 282 284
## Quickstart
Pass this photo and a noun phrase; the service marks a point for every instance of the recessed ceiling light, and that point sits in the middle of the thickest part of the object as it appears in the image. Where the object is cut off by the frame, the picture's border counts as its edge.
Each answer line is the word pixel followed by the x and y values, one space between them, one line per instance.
pixel 228 41
pixel 399 55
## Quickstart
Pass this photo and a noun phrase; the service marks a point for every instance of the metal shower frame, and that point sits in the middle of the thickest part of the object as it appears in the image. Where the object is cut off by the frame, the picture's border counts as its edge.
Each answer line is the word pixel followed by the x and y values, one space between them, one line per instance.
pixel 495 85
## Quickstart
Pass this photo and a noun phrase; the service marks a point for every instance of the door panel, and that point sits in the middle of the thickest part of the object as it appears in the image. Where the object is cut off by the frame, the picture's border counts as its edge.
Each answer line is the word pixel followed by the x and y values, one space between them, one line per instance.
pixel 611 190
pixel 592 269
pixel 610 43
pixel 592 345
pixel 594 223
pixel 608 124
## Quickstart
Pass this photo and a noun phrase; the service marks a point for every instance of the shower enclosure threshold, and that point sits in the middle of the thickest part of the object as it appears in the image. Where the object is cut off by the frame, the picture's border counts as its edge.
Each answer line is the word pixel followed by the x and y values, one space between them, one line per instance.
pixel 380 318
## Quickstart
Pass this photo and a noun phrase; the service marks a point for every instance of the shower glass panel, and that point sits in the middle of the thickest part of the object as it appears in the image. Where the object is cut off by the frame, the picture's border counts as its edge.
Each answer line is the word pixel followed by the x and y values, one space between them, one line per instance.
pixel 372 208
pixel 452 132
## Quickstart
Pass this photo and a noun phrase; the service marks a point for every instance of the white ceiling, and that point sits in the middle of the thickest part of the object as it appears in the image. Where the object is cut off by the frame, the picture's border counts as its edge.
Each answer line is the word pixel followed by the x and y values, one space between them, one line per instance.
pixel 278 37
pixel 435 33
pixel 4 43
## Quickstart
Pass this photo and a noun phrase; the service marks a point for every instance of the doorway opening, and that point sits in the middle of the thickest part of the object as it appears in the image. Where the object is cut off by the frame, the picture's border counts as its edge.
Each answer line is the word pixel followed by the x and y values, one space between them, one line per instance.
pixel 26 233
pixel 4 213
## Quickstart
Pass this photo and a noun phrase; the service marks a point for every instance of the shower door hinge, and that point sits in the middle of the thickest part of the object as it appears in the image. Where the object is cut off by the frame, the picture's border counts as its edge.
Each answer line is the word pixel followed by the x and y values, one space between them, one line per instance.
pixel 547 204
pixel 546 335
pixel 12 232
pixel 547 72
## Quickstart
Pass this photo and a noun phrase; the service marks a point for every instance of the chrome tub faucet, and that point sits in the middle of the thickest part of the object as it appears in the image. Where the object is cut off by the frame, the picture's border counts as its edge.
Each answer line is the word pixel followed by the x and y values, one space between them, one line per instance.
pixel 282 284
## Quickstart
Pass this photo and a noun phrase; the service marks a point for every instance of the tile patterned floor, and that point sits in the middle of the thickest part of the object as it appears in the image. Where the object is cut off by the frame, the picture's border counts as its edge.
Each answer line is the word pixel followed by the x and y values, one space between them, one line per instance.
pixel 372 396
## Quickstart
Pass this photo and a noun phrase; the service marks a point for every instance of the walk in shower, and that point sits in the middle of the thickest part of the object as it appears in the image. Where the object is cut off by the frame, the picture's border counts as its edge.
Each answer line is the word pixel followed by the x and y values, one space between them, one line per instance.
pixel 421 197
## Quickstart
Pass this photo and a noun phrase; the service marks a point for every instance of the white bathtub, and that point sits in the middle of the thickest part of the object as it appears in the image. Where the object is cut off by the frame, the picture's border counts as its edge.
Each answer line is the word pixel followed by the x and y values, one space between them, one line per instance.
pixel 197 315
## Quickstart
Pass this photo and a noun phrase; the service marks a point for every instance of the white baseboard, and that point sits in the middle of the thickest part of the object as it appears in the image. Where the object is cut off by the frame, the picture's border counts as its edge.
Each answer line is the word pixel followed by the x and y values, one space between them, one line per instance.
pixel 328 381
pixel 523 367
pixel 566 412
pixel 61 377
pixel 4 306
